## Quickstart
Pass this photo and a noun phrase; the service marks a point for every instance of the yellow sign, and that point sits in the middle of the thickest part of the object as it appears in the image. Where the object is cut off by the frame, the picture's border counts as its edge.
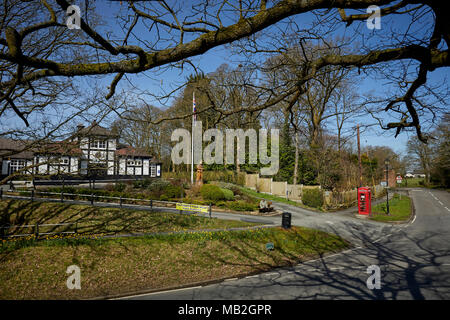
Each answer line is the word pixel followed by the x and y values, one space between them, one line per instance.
pixel 192 207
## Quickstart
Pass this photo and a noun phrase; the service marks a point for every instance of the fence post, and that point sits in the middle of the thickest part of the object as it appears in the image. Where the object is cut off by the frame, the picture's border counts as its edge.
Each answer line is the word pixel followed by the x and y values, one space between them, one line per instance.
pixel 151 205
pixel 62 196
pixel 32 195
pixel 210 210
pixel 36 230
pixel 121 201
pixel 1 193
pixel 92 199
pixel 76 227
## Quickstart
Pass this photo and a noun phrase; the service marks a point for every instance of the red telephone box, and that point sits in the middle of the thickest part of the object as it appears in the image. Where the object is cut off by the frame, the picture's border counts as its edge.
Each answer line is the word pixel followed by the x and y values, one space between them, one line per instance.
pixel 364 200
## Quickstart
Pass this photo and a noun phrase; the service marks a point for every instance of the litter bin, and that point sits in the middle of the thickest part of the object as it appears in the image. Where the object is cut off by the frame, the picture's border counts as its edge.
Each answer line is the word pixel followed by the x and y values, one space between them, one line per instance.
pixel 286 220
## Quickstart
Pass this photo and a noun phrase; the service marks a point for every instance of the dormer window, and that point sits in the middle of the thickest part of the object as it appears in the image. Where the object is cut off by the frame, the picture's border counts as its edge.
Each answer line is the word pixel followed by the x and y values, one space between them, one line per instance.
pixel 98 144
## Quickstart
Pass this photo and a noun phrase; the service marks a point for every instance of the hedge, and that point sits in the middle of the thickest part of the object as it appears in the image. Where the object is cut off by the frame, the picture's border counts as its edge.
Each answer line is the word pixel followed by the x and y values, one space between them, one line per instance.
pixel 212 192
pixel 228 194
pixel 313 198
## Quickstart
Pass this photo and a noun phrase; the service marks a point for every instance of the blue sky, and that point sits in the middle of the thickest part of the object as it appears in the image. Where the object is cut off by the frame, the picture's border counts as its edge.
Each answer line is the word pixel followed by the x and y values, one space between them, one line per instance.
pixel 210 61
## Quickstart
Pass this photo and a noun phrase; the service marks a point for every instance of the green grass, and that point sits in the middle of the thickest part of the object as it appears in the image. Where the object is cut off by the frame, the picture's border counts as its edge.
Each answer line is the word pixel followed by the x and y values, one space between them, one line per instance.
pixel 99 220
pixel 270 197
pixel 399 208
pixel 117 266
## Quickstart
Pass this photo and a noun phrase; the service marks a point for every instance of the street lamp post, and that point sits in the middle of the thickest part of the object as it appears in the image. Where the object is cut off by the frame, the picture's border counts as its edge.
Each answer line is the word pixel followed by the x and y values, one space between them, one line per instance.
pixel 386 162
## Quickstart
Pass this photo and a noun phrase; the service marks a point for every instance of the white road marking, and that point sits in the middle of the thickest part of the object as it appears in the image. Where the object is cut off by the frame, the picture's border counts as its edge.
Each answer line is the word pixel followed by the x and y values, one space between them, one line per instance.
pixel 230 279
pixel 337 268
pixel 158 292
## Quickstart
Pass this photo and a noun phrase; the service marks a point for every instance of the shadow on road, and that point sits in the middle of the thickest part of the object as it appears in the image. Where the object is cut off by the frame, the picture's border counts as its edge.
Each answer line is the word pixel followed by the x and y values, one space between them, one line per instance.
pixel 411 268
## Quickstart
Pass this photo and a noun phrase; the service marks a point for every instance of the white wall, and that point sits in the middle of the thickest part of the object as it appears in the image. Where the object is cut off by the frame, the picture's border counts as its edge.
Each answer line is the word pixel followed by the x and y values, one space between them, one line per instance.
pixel 73 165
pixel 110 167
pixel 146 167
pixel 30 168
pixel 42 167
pixel 112 144
pixel 122 166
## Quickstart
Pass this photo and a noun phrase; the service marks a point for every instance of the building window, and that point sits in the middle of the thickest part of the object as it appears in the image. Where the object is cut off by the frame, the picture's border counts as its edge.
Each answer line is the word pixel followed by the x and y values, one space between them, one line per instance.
pixel 98 144
pixel 64 161
pixel 16 165
pixel 134 163
pixel 152 170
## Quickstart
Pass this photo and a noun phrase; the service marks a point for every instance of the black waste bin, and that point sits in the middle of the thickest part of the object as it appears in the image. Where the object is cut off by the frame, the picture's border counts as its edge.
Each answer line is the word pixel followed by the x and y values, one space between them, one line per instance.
pixel 286 220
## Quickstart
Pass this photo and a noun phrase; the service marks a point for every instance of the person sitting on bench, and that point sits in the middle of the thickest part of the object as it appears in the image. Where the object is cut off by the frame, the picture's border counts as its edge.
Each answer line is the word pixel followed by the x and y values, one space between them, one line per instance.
pixel 265 206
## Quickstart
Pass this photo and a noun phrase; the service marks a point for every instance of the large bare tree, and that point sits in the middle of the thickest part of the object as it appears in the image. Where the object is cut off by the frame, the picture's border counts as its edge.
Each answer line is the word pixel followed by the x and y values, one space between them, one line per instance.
pixel 156 34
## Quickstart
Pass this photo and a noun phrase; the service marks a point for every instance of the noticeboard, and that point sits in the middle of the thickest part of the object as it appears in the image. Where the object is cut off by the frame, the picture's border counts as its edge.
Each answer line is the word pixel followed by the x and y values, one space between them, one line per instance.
pixel 192 207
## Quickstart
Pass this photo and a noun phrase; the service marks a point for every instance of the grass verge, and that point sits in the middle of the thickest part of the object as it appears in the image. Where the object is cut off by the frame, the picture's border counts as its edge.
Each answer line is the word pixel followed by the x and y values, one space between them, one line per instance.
pixel 123 265
pixel 100 220
pixel 399 208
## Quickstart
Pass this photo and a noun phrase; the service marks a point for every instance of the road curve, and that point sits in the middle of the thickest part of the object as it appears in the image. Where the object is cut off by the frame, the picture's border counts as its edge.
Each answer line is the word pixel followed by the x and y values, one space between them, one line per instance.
pixel 414 260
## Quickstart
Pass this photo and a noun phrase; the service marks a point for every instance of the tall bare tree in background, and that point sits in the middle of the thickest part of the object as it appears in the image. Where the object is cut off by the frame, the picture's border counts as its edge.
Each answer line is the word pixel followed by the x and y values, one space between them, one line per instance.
pixel 423 154
pixel 176 33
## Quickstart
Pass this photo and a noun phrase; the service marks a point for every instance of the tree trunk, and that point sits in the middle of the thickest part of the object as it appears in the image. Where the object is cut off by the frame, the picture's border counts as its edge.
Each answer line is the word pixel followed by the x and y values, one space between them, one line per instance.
pixel 296 159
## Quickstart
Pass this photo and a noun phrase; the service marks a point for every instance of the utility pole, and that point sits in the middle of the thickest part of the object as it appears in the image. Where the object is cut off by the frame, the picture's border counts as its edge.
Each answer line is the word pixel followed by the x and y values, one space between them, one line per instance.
pixel 386 163
pixel 192 137
pixel 359 156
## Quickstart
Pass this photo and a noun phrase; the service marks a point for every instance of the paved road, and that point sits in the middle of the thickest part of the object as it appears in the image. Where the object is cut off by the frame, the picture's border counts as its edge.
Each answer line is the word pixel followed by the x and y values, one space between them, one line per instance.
pixel 414 260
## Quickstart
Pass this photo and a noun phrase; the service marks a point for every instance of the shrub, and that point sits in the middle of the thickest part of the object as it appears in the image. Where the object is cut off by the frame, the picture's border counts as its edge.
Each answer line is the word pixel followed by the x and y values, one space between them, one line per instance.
pixel 164 197
pixel 138 184
pixel 158 185
pixel 194 201
pixel 212 192
pixel 313 198
pixel 173 191
pixel 119 187
pixel 229 195
pixel 241 205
